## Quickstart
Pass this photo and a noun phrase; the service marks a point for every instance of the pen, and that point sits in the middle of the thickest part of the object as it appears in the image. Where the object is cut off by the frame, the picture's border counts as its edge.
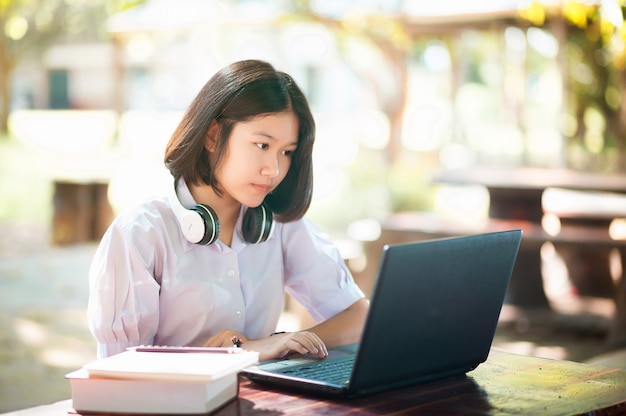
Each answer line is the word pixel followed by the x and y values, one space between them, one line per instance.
pixel 218 350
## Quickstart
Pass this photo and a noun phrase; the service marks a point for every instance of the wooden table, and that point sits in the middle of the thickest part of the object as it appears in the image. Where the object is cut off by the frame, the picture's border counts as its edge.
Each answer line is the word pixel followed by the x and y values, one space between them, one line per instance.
pixel 505 384
pixel 516 195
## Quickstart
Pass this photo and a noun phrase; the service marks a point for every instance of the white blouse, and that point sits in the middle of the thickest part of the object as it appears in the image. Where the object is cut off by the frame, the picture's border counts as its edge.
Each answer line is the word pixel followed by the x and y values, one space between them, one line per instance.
pixel 149 285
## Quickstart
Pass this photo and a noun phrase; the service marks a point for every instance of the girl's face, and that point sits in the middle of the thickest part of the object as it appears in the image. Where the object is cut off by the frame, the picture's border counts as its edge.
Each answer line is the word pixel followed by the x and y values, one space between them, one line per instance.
pixel 258 157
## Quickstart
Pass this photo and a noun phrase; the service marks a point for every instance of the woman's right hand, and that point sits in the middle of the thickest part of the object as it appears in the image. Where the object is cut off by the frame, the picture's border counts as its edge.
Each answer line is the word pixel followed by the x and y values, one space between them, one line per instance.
pixel 281 345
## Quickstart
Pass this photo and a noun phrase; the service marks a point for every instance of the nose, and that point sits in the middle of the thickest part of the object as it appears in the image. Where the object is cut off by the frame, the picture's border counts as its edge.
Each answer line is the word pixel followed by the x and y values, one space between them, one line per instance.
pixel 271 166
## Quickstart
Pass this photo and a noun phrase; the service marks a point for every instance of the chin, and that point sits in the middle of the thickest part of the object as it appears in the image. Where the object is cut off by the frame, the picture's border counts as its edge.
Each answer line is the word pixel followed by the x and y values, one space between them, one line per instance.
pixel 252 202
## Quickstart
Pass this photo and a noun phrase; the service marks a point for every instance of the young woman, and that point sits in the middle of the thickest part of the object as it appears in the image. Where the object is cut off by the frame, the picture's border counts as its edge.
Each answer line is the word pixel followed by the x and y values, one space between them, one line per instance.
pixel 209 264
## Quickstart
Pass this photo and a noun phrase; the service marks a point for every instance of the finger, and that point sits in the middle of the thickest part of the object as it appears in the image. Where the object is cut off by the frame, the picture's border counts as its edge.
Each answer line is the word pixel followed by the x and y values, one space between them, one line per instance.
pixel 321 346
pixel 296 345
pixel 317 346
pixel 313 344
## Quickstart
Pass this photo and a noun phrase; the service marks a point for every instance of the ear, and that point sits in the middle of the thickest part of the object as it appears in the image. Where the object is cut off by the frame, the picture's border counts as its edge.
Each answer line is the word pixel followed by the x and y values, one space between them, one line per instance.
pixel 210 142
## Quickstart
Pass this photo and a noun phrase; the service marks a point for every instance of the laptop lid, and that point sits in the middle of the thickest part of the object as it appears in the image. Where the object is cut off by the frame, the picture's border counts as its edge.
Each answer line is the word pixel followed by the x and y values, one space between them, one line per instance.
pixel 433 313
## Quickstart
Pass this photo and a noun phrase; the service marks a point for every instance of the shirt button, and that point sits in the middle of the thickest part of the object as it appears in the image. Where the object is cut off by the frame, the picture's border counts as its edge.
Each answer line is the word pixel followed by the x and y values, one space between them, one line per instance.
pixel 231 273
pixel 238 314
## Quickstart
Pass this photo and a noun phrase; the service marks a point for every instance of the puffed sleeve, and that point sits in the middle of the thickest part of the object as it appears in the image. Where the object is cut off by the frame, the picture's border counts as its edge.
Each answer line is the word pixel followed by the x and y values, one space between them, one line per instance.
pixel 315 272
pixel 123 307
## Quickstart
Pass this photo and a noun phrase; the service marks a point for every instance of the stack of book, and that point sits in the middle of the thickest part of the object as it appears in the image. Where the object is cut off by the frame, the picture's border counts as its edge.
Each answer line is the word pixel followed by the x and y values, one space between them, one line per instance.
pixel 160 380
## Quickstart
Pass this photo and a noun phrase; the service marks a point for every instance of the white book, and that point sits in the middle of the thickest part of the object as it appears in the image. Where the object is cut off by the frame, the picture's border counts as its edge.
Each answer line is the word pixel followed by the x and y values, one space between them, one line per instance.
pixel 160 380
pixel 175 364
pixel 108 395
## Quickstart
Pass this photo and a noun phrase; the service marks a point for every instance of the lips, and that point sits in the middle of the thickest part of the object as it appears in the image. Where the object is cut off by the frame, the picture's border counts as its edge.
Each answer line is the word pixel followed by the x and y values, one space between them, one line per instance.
pixel 265 189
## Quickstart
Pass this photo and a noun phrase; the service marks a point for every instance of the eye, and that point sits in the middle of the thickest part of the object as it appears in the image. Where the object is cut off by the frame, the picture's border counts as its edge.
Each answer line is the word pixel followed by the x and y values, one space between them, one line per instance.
pixel 289 152
pixel 263 146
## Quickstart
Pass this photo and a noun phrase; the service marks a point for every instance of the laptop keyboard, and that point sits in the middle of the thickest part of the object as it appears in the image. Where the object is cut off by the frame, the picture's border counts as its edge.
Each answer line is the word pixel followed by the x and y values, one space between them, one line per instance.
pixel 336 371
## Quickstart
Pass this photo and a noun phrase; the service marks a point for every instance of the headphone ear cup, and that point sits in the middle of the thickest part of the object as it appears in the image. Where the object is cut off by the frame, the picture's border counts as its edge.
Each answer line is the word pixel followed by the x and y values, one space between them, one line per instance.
pixel 257 224
pixel 211 229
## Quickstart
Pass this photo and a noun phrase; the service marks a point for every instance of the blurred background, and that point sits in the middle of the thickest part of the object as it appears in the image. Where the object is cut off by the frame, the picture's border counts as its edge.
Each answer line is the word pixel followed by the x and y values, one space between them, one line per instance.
pixel 402 90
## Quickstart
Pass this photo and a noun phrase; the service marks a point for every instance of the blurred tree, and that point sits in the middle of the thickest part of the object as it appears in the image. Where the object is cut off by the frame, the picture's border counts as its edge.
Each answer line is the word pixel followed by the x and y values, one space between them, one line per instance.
pixel 385 69
pixel 30 26
pixel 388 34
pixel 594 59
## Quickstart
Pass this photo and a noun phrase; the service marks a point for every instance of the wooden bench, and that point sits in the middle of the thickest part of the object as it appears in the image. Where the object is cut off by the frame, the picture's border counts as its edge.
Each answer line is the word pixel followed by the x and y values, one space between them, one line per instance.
pixel 81 211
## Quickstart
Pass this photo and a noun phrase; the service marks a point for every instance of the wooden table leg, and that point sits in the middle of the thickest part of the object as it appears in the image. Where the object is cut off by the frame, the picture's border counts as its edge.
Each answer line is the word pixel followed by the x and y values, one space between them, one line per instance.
pixel 617 337
pixel 588 266
pixel 526 285
pixel 588 269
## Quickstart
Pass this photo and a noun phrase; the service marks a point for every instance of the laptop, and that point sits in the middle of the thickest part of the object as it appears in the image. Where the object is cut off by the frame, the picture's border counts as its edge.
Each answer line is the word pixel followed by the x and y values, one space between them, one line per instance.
pixel 433 313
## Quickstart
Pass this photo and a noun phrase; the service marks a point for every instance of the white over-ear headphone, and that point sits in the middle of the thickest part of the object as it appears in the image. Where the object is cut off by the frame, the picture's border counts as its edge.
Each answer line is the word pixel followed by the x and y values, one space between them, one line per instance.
pixel 200 224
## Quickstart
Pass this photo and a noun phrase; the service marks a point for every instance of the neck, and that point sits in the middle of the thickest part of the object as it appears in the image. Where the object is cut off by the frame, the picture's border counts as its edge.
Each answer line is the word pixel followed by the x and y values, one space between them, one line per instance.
pixel 226 208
